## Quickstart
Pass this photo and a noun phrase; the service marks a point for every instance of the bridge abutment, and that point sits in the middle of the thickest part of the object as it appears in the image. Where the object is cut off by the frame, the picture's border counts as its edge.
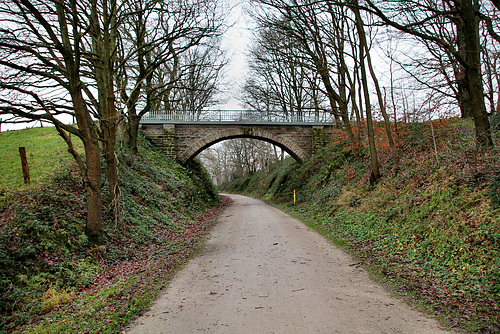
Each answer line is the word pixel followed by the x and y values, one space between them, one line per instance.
pixel 318 138
pixel 163 136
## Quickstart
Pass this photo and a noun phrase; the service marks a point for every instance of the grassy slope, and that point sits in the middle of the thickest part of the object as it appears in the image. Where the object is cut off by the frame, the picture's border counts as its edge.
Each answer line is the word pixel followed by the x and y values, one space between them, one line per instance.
pixel 53 280
pixel 44 149
pixel 432 228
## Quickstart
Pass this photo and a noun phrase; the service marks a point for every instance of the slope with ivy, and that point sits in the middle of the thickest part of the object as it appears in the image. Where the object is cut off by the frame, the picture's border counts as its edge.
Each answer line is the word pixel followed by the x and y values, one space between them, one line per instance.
pixel 430 227
pixel 53 280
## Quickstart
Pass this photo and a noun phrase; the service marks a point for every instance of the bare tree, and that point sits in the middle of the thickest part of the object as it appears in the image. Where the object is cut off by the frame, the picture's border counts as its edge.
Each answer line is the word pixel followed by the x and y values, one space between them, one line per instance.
pixel 491 61
pixel 363 45
pixel 237 157
pixel 489 13
pixel 306 22
pixel 278 80
pixel 199 83
pixel 54 56
pixel 103 30
pixel 158 39
pixel 215 161
pixel 375 170
pixel 418 18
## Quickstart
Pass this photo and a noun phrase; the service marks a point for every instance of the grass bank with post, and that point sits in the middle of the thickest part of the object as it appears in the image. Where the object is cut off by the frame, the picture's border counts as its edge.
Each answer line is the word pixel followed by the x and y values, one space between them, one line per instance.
pixel 51 278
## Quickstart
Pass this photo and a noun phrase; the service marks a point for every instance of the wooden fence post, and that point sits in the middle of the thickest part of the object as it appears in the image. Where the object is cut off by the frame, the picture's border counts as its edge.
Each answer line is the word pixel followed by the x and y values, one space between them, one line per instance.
pixel 24 162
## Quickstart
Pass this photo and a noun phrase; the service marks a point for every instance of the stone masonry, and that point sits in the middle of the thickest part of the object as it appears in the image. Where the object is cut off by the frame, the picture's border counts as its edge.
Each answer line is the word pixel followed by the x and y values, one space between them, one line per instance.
pixel 185 141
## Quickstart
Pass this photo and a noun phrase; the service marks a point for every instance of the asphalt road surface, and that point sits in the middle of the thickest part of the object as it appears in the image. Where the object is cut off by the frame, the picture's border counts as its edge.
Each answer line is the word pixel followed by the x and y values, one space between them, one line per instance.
pixel 263 271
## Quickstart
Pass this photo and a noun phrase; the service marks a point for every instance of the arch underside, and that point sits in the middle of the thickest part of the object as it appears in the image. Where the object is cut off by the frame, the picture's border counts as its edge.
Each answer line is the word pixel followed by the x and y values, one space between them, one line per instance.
pixel 290 147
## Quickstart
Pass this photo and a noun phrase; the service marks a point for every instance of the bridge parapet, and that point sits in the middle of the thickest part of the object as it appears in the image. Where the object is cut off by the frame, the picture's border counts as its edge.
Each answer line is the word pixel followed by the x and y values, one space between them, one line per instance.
pixel 309 117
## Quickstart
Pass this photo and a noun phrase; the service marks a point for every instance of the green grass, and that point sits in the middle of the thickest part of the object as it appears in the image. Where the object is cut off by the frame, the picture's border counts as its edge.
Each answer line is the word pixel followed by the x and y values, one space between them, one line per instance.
pixel 45 150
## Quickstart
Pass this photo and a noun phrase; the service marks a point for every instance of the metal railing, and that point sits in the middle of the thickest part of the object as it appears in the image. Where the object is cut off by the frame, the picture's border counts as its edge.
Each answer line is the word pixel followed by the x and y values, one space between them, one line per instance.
pixel 236 116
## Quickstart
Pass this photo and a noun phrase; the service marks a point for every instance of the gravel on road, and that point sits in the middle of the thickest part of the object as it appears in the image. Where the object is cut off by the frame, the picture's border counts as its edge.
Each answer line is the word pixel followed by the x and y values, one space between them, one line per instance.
pixel 263 271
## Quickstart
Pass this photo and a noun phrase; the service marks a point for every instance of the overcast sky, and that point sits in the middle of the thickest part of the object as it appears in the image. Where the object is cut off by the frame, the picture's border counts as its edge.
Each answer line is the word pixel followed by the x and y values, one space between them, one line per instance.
pixel 236 42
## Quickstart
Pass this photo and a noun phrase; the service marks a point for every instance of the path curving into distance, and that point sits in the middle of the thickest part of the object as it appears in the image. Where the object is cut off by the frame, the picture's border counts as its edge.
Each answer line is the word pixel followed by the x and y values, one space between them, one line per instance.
pixel 263 271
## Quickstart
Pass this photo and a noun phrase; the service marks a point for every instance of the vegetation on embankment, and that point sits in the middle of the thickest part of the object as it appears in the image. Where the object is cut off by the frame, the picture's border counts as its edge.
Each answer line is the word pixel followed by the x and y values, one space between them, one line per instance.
pixel 53 280
pixel 431 227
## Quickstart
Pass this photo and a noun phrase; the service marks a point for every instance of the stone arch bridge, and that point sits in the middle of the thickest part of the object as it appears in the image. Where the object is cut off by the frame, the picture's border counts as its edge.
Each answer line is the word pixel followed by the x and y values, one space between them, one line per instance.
pixel 184 135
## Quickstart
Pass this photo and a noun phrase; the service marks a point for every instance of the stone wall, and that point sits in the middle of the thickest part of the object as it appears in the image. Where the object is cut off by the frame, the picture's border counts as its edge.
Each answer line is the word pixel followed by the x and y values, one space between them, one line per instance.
pixel 184 141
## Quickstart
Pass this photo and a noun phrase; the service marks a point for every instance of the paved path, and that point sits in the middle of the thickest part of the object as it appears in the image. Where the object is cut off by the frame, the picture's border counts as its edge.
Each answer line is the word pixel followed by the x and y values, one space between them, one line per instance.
pixel 265 272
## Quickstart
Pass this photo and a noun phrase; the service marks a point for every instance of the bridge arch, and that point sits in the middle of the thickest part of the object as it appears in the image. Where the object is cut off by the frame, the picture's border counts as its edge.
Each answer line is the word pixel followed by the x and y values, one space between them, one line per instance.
pixel 200 144
pixel 183 140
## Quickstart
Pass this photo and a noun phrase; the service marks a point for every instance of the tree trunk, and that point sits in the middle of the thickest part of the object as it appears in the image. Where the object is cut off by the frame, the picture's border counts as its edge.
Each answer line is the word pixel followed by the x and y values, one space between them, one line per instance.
pixel 463 92
pixel 91 169
pixel 335 99
pixel 375 173
pixel 133 131
pixel 104 48
pixel 463 95
pixel 473 77
pixel 481 121
pixel 364 44
pixel 92 183
pixel 110 133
